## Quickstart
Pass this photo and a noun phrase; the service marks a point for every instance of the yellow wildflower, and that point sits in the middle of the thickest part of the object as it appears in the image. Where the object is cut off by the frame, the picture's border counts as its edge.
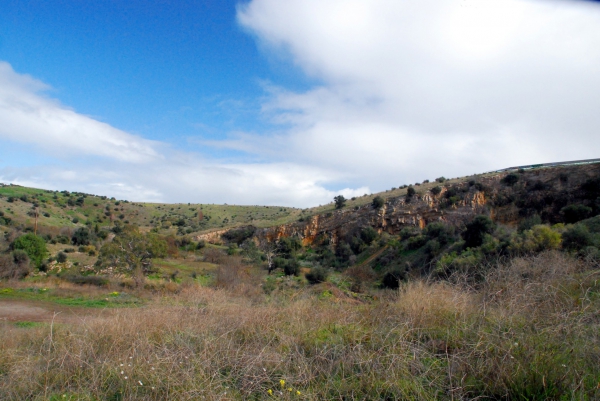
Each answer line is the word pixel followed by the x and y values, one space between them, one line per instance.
pixel 270 391
pixel 282 382
pixel 298 393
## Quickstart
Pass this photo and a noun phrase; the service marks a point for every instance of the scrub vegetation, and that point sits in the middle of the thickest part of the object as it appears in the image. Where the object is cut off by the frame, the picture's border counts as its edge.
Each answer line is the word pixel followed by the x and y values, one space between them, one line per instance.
pixel 479 310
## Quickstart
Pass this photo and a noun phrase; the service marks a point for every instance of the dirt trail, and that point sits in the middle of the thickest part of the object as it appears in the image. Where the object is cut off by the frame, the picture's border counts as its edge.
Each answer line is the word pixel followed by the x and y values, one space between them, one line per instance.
pixel 34 311
pixel 372 257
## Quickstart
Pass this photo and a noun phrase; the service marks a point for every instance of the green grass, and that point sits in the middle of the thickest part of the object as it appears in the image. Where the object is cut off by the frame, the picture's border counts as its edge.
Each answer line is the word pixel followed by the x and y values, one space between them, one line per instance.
pixel 53 295
pixel 28 325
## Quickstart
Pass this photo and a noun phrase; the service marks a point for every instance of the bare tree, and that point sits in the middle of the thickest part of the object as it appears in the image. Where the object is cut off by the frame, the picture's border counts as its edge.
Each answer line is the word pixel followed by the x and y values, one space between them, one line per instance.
pixel 271 250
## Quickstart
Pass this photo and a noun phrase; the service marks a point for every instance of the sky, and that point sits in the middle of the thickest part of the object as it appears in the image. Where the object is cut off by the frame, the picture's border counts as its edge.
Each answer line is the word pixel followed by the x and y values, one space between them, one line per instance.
pixel 291 102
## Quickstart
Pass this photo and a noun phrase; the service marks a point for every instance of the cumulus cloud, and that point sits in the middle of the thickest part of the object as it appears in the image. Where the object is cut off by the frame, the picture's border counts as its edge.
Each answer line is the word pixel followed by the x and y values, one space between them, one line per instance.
pixel 407 90
pixel 130 167
pixel 417 88
pixel 26 115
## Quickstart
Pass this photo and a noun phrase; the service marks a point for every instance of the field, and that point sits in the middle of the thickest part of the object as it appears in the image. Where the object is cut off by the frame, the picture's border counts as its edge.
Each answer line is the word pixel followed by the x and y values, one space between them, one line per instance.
pixel 528 330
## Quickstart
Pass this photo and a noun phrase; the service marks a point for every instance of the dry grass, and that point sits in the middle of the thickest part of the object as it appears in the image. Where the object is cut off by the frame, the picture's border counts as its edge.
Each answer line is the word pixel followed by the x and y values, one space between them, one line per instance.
pixel 529 331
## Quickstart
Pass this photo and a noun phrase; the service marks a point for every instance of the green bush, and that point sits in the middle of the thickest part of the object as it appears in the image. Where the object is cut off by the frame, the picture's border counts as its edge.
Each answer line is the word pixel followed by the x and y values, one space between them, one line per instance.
pixel 511 179
pixel 529 222
pixel 98 281
pixel 81 236
pixel 577 237
pixel 574 213
pixel 392 278
pixel 317 275
pixel 476 230
pixel 34 246
pixel 368 235
pixel 410 191
pixel 61 257
pixel 340 201
pixel 442 232
pixel 539 238
pixel 378 202
pixel 291 268
pixel 436 190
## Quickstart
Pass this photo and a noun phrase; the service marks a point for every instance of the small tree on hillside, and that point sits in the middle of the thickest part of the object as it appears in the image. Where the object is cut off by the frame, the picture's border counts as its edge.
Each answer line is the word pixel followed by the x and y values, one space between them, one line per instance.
pixel 378 202
pixel 132 251
pixel 34 246
pixel 476 230
pixel 340 201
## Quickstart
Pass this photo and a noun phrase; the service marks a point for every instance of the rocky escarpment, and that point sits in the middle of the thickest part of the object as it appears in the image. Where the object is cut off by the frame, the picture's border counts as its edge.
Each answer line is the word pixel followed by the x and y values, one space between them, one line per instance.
pixel 397 213
pixel 542 191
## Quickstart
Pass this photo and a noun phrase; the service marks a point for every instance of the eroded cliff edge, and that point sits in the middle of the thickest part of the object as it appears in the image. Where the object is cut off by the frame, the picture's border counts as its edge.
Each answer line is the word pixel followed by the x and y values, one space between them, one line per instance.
pixel 542 191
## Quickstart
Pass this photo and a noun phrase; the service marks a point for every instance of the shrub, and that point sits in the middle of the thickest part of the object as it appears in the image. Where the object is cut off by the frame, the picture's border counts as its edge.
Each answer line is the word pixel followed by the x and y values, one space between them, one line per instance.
pixel 81 236
pixel 436 190
pixel 440 179
pixel 537 239
pixel 317 275
pixel 368 235
pixel 510 179
pixel 340 201
pixel 20 257
pixel 476 230
pixel 291 268
pixel 440 231
pixel 392 278
pixel 529 222
pixel 11 269
pixel 98 281
pixel 34 246
pixel 574 213
pixel 416 242
pixel 410 191
pixel 577 237
pixel 61 257
pixel 378 202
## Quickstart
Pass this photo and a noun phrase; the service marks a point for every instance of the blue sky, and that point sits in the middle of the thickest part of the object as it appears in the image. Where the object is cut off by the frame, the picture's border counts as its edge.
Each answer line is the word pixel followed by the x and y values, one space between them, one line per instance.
pixel 165 70
pixel 290 102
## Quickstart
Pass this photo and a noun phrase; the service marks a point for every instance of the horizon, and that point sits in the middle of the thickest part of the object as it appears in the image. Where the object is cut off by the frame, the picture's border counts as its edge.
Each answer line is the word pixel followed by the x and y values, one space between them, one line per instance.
pixel 288 104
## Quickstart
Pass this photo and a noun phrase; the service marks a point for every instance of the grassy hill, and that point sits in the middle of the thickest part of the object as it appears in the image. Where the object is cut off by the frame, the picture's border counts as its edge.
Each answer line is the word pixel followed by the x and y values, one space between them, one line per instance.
pixel 461 307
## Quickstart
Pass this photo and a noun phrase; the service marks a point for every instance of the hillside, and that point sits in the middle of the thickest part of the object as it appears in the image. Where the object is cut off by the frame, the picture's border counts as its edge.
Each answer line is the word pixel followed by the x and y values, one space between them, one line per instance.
pixel 479 287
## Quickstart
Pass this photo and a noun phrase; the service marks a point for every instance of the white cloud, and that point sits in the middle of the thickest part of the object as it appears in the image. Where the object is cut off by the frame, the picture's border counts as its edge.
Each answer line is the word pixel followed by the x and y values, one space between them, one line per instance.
pixel 409 90
pixel 130 167
pixel 28 116
pixel 420 88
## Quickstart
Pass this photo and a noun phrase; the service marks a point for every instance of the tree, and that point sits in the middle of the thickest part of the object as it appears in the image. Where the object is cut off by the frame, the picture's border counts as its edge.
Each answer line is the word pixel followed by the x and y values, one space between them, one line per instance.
pixel 476 230
pixel 510 179
pixel 575 213
pixel 378 202
pixel 81 236
pixel 34 246
pixel 132 251
pixel 271 250
pixel 340 201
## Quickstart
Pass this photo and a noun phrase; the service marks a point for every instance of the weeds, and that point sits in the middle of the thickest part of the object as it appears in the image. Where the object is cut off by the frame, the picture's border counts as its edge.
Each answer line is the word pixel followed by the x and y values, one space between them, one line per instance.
pixel 528 330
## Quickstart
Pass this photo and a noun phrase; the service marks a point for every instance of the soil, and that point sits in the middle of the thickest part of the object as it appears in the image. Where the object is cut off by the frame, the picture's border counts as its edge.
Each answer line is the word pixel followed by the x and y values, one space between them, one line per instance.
pixel 33 311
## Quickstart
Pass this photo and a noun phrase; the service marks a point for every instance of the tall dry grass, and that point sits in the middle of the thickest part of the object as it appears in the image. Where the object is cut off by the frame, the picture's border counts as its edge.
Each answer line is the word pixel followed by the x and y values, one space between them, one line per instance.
pixel 528 331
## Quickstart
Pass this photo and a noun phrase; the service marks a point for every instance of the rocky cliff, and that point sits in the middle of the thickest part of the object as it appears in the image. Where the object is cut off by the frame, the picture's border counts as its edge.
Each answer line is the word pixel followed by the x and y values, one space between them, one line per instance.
pixel 542 191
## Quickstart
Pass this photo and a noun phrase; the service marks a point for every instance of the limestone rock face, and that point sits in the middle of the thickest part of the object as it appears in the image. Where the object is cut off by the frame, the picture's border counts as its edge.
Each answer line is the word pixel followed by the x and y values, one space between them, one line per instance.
pixel 502 203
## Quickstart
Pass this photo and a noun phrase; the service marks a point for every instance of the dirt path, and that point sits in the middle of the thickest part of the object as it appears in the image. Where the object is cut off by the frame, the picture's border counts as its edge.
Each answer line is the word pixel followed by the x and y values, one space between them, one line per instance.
pixel 34 311
pixel 372 257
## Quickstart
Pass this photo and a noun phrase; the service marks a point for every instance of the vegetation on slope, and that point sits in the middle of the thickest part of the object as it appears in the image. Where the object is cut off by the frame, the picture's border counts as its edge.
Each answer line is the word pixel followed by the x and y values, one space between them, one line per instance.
pixel 479 309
